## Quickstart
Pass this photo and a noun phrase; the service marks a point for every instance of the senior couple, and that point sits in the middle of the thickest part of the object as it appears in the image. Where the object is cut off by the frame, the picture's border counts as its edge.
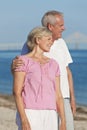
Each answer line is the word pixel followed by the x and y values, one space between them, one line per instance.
pixel 42 80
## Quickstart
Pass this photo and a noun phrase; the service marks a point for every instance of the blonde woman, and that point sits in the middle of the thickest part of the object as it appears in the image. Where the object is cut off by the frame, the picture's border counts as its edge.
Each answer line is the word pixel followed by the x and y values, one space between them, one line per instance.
pixel 36 86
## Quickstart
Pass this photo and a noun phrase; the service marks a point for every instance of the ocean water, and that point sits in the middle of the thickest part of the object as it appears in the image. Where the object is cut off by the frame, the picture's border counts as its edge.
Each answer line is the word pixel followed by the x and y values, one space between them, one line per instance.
pixel 78 68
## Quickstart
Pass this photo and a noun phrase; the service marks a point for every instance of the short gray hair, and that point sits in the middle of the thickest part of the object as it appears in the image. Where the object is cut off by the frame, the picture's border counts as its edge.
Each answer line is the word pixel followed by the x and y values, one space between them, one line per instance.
pixel 49 17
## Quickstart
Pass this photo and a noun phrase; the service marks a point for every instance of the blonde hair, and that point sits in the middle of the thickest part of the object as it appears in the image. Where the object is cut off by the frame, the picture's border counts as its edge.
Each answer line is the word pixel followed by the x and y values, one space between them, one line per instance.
pixel 37 32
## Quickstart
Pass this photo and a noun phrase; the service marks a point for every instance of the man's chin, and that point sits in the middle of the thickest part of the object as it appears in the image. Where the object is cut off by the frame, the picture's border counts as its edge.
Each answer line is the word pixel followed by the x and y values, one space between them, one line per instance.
pixel 60 35
pixel 58 38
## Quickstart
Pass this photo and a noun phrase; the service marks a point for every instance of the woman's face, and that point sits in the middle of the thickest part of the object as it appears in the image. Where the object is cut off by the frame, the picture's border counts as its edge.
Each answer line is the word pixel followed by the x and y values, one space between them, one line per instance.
pixel 45 43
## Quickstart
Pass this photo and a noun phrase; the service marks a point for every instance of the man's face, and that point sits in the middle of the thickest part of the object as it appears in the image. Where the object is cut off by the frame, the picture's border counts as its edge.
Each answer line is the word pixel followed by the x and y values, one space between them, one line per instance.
pixel 58 27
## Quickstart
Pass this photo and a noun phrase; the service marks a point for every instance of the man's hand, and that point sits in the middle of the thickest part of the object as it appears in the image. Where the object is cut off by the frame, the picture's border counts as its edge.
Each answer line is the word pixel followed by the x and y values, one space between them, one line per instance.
pixel 16 62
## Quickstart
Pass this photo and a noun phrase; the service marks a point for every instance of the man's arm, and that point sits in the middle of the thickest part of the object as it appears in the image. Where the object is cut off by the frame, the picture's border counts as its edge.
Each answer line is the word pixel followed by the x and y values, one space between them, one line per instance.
pixel 71 88
pixel 69 74
pixel 25 49
pixel 16 62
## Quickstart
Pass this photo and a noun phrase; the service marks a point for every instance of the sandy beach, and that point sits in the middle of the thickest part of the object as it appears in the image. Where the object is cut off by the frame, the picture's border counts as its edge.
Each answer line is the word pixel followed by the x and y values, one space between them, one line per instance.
pixel 8 111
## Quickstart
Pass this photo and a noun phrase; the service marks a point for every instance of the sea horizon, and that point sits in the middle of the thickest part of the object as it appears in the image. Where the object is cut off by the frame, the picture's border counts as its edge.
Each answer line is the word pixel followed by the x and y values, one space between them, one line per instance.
pixel 78 68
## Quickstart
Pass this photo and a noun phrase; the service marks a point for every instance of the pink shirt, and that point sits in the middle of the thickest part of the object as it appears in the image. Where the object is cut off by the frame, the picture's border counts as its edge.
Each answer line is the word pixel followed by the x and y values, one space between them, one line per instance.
pixel 39 84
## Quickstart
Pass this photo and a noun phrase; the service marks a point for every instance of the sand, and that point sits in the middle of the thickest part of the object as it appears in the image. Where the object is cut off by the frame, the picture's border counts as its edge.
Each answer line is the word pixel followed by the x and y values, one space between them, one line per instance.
pixel 8 111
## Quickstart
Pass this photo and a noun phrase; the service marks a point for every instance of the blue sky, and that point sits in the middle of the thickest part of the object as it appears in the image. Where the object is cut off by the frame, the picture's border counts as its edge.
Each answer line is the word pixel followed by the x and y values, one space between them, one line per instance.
pixel 18 17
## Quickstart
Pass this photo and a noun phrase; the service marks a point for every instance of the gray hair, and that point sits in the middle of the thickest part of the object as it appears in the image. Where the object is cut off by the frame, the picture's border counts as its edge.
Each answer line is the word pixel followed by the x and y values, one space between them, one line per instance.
pixel 49 17
pixel 37 32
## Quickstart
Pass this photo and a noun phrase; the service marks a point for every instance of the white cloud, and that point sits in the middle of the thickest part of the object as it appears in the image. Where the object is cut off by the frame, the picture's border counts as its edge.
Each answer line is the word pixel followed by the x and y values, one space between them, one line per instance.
pixel 76 37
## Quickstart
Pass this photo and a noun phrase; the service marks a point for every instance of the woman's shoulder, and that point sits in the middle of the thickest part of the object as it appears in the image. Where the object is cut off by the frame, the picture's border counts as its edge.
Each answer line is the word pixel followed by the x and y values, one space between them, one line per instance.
pixel 54 62
pixel 25 58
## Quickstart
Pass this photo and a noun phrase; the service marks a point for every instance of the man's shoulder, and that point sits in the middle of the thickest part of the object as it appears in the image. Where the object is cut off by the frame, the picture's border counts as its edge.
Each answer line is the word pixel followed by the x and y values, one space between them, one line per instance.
pixel 60 40
pixel 59 43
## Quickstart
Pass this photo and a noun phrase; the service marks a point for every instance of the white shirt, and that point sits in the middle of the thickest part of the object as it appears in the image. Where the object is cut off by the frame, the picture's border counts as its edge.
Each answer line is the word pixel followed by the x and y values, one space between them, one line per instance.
pixel 60 53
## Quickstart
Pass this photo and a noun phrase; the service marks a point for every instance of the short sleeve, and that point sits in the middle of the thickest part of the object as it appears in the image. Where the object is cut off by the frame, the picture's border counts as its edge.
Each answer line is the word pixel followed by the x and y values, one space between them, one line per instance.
pixel 57 71
pixel 22 68
pixel 56 68
pixel 66 53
